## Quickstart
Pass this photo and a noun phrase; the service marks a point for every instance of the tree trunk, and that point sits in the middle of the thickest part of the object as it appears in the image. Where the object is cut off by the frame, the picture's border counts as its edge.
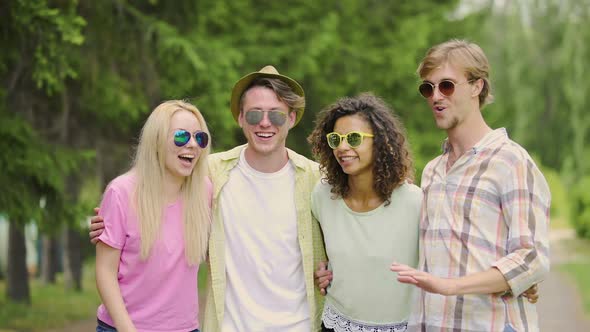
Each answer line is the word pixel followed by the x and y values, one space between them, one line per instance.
pixel 50 259
pixel 72 259
pixel 17 278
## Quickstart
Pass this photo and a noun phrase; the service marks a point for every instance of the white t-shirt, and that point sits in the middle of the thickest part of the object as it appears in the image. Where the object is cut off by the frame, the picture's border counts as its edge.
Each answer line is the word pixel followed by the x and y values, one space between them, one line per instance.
pixel 265 280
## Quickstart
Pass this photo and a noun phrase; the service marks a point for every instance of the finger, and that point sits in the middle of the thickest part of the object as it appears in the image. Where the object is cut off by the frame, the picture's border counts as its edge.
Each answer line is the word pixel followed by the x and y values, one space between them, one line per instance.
pixel 319 280
pixel 325 279
pixel 94 235
pixel 399 267
pixel 322 266
pixel 323 273
pixel 420 278
pixel 96 219
pixel 324 283
pixel 96 209
pixel 96 226
pixel 412 273
pixel 408 272
pixel 321 276
pixel 323 291
pixel 407 280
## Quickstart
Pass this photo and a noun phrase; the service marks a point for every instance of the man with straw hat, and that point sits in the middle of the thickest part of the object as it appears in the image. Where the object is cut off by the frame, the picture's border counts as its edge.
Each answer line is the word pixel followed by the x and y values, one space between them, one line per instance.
pixel 264 244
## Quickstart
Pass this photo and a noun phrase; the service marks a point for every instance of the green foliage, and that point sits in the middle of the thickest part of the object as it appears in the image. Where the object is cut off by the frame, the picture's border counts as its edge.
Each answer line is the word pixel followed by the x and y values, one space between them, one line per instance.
pixel 26 170
pixel 539 76
pixel 581 207
pixel 32 171
pixel 539 50
pixel 560 199
pixel 50 33
pixel 111 62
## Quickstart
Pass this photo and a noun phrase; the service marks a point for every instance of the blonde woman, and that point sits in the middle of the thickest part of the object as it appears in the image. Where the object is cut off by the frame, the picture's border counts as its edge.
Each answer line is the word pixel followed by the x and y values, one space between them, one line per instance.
pixel 148 255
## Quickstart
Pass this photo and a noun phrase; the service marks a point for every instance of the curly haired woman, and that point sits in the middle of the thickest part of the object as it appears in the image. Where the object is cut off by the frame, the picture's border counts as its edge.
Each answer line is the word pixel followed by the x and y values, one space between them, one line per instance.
pixel 369 214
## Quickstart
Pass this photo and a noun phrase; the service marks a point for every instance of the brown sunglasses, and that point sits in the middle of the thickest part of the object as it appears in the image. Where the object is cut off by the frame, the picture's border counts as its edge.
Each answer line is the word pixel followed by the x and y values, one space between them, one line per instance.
pixel 446 87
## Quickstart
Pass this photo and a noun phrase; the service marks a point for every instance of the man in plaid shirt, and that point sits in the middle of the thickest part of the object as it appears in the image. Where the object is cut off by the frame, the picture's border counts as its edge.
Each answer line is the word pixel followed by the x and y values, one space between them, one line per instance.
pixel 485 214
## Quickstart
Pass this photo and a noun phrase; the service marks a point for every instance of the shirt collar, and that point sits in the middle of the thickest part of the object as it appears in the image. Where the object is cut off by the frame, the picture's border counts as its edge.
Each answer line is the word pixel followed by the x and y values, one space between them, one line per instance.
pixel 298 160
pixel 493 137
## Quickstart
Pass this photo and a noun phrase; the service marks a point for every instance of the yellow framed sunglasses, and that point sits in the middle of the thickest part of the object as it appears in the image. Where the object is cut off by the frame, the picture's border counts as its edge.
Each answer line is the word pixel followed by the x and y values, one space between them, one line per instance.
pixel 353 138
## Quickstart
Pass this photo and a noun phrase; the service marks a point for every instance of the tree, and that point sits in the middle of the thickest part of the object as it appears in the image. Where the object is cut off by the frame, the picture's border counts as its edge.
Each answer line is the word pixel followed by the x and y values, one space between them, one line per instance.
pixel 542 86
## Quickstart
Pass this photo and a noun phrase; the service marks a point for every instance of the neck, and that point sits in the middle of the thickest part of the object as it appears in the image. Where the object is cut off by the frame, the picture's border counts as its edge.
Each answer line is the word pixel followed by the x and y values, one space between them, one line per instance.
pixel 464 136
pixel 362 196
pixel 267 163
pixel 172 185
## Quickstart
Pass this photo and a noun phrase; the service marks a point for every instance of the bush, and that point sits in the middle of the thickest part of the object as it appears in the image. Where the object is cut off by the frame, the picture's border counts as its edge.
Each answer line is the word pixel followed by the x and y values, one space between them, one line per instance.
pixel 560 199
pixel 581 207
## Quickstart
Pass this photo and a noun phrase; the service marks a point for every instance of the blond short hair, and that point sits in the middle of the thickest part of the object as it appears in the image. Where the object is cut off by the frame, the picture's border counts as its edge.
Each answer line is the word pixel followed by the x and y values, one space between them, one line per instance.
pixel 462 54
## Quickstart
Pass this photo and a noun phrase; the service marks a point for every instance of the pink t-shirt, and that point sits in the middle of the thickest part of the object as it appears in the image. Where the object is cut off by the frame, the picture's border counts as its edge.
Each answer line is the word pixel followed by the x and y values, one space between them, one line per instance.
pixel 160 293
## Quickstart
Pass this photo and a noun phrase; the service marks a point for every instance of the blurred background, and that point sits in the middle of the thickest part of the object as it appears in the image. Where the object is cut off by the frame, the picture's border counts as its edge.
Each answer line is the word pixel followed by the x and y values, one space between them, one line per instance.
pixel 78 79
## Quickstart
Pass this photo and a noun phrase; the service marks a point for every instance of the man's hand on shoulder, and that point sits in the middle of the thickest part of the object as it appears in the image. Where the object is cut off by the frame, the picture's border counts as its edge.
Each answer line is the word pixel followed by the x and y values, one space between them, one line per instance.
pixel 96 227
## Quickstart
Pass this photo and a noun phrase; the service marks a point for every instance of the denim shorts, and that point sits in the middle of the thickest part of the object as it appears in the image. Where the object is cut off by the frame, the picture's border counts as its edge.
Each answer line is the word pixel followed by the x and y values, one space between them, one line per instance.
pixel 104 327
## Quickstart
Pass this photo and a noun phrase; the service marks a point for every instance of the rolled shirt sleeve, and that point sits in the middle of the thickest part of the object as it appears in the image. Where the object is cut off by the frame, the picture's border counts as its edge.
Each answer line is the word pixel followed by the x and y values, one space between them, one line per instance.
pixel 525 207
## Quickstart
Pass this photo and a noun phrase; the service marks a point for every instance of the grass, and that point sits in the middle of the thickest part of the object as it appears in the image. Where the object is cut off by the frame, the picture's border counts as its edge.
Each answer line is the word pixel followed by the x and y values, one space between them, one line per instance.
pixel 580 272
pixel 579 269
pixel 51 305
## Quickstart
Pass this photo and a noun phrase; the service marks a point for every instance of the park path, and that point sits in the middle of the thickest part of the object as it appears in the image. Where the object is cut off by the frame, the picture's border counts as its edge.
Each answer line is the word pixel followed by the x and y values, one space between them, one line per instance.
pixel 559 306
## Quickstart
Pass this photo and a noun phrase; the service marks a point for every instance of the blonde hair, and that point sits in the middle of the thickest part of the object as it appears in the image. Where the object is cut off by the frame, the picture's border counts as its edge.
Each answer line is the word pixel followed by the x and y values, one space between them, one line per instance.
pixel 462 54
pixel 149 165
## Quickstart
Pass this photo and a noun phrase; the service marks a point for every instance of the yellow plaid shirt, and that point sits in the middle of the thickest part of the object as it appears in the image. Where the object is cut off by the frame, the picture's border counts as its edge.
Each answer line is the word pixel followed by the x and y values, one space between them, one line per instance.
pixel 309 234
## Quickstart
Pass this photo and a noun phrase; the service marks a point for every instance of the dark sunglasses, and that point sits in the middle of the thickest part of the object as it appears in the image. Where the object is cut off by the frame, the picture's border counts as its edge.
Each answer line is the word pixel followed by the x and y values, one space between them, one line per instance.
pixel 353 138
pixel 445 87
pixel 181 138
pixel 276 118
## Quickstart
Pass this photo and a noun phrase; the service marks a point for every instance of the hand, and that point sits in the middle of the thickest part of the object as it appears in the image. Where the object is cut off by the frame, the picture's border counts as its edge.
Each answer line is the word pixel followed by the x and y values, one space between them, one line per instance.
pixel 96 227
pixel 424 280
pixel 323 277
pixel 532 294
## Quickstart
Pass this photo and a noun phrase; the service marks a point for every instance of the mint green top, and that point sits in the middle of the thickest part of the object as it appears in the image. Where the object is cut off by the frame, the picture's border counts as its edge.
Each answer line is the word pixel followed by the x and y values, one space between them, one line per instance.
pixel 361 247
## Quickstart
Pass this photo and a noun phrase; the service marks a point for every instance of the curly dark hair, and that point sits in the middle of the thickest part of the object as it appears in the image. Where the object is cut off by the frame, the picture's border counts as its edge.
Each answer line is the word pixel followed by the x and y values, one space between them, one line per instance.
pixel 392 164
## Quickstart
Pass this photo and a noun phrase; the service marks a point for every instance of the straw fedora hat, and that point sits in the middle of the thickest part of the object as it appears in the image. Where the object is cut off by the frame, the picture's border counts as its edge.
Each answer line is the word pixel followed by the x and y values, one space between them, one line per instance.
pixel 268 72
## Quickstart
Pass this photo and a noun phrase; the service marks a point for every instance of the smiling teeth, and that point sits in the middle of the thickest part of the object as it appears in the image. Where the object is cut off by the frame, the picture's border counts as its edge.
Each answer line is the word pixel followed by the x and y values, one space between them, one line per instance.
pixel 347 158
pixel 187 156
pixel 266 135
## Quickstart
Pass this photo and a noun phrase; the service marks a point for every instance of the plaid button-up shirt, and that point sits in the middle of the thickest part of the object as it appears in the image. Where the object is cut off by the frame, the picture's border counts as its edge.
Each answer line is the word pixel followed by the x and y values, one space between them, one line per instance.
pixel 489 209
